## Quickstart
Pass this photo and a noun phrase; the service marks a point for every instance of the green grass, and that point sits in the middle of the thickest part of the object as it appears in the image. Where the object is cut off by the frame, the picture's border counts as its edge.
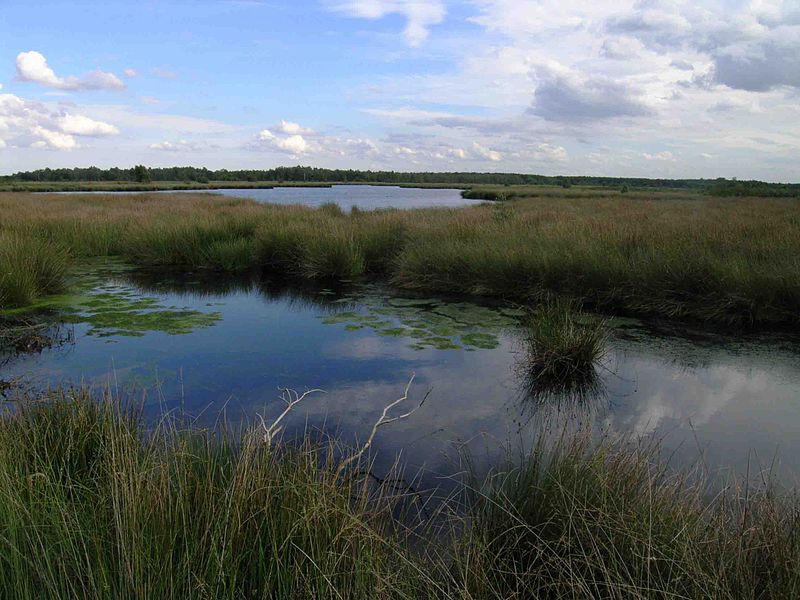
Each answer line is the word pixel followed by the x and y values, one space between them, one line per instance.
pixel 93 504
pixel 608 520
pixel 562 343
pixel 668 254
pixel 30 267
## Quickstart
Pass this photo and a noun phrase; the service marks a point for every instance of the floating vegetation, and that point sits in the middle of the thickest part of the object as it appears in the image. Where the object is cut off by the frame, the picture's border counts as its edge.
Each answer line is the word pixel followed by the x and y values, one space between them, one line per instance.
pixel 97 297
pixel 426 322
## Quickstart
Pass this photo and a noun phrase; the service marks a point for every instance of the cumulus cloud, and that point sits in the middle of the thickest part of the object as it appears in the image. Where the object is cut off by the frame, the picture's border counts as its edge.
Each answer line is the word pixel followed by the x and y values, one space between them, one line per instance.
pixel 32 67
pixel 752 46
pixel 420 15
pixel 487 153
pixel 290 128
pixel 294 144
pixel 80 125
pixel 130 73
pixel 24 123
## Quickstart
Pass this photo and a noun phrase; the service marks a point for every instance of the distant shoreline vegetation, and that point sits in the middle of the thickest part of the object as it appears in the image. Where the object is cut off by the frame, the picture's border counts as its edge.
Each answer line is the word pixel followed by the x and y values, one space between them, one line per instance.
pixel 141 178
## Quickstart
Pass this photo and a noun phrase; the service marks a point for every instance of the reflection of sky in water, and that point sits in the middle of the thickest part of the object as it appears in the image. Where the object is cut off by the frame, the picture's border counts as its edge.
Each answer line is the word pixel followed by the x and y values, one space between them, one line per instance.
pixel 732 402
pixel 364 197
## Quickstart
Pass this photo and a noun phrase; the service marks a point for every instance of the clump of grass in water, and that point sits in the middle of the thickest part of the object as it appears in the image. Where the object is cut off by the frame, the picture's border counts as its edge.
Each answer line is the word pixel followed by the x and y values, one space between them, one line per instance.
pixel 563 344
pixel 30 267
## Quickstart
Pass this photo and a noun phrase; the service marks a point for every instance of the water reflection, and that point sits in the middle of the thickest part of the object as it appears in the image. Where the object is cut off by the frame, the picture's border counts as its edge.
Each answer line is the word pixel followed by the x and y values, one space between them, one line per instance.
pixel 726 400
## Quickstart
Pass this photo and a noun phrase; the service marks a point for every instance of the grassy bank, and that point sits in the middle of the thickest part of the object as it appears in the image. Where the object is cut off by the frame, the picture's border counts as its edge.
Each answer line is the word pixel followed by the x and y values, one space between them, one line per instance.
pixel 92 505
pixel 729 261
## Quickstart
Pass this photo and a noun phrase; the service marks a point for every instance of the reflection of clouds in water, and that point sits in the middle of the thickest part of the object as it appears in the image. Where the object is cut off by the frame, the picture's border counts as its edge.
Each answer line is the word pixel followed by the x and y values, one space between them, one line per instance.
pixel 468 402
pixel 684 395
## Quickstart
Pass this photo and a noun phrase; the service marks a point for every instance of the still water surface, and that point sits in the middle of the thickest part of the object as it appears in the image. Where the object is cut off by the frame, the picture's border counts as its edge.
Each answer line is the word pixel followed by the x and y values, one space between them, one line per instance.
pixel 210 346
pixel 364 197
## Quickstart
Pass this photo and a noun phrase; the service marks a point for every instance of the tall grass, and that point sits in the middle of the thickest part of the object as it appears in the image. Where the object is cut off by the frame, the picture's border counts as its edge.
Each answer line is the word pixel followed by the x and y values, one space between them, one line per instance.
pixel 30 267
pixel 731 261
pixel 562 343
pixel 608 520
pixel 95 504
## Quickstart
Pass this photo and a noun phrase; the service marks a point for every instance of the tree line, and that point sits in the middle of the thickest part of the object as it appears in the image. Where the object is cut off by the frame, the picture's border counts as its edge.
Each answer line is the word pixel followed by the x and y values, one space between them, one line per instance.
pixel 140 173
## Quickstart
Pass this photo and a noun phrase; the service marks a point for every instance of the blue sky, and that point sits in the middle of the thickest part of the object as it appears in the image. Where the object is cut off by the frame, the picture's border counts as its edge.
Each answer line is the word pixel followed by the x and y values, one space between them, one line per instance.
pixel 660 88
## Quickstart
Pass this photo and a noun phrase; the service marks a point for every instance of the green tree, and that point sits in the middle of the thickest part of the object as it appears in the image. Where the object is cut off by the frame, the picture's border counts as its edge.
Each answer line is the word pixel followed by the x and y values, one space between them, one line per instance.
pixel 141 174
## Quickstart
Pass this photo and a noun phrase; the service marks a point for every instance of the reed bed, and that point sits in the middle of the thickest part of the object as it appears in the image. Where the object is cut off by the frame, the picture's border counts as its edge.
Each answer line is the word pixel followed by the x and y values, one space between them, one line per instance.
pixel 733 261
pixel 94 503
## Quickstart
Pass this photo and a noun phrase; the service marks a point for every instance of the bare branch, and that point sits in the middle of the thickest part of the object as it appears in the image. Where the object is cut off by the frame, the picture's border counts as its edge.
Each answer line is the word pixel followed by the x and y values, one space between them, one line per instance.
pixel 292 399
pixel 383 420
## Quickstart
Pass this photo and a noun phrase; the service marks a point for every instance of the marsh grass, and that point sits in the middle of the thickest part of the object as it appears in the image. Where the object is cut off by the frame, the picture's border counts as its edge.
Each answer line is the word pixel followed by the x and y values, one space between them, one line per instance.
pixel 731 261
pixel 607 519
pixel 563 345
pixel 29 268
pixel 94 503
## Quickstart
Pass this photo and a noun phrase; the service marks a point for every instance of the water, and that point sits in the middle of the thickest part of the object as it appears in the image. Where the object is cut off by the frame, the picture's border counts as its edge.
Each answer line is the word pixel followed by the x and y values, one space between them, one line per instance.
pixel 365 197
pixel 730 404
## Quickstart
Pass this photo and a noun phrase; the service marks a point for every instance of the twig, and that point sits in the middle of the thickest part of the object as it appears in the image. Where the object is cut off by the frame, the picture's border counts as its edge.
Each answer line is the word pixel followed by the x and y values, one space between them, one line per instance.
pixel 292 399
pixel 383 420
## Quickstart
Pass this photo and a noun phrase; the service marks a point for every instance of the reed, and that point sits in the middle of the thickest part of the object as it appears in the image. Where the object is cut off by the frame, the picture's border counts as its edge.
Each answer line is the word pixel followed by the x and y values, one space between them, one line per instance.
pixel 731 261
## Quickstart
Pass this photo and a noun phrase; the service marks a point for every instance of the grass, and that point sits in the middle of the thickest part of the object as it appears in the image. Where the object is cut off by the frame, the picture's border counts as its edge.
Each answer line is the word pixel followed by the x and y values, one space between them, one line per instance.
pixel 669 254
pixel 93 504
pixel 563 344
pixel 30 267
pixel 607 520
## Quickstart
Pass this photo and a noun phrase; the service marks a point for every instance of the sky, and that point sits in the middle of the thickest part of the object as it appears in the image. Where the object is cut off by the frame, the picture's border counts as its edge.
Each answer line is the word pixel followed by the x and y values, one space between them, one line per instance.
pixel 650 88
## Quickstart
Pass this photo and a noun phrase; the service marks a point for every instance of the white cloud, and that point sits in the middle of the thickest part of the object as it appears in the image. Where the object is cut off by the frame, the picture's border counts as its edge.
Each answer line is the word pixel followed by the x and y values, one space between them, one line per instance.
pixel 420 15
pixel 53 139
pixel 24 123
pixel 32 67
pixel 291 128
pixel 487 153
pixel 80 125
pixel 130 72
pixel 293 144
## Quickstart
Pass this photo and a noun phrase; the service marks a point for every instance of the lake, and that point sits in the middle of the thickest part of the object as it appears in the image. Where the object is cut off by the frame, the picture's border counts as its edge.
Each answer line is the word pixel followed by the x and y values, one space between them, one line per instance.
pixel 364 197
pixel 226 346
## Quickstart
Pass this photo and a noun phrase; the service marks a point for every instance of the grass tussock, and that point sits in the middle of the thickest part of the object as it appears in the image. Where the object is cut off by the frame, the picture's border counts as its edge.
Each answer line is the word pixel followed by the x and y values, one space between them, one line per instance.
pixel 731 261
pixel 562 343
pixel 29 268
pixel 94 505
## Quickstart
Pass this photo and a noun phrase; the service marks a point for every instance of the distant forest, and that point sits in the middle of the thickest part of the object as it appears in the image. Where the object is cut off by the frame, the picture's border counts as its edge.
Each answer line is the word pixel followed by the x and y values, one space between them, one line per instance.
pixel 720 187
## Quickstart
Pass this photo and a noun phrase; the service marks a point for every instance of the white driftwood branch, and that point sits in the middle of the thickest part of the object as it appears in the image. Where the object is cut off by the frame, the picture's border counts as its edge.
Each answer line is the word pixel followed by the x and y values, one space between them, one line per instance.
pixel 292 399
pixel 384 419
